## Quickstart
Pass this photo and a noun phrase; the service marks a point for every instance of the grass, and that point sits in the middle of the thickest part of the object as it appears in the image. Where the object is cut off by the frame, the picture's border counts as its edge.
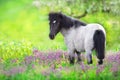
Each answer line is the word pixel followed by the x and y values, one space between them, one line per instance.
pixel 55 65
pixel 24 31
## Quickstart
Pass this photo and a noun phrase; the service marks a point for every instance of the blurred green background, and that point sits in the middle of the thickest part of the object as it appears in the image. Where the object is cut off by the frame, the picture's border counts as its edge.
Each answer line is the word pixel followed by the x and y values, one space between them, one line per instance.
pixel 24 30
pixel 24 23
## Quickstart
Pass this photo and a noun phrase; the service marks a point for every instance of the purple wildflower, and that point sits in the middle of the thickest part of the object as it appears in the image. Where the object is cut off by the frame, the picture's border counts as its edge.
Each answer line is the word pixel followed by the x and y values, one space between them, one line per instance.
pixel 114 58
pixel 114 68
pixel 100 68
pixel 14 60
pixel 15 70
pixel 45 72
pixel 82 66
pixel 33 66
pixel 29 59
pixel 35 51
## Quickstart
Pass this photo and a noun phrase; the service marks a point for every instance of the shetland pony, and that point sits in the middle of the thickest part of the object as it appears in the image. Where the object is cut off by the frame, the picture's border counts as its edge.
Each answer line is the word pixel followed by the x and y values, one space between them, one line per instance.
pixel 79 36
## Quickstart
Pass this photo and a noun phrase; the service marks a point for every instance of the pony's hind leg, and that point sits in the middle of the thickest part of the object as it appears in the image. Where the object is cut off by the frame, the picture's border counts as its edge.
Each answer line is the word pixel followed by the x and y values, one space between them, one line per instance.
pixel 100 61
pixel 89 57
pixel 78 56
pixel 71 57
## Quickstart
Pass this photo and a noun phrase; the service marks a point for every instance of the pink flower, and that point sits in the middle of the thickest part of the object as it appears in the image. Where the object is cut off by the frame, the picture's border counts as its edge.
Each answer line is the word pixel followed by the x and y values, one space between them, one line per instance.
pixel 115 68
pixel 100 68
pixel 14 60
pixel 15 70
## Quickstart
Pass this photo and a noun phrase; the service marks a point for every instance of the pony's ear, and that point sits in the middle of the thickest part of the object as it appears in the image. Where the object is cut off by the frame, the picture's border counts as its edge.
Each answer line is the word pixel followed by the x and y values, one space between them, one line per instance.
pixel 49 16
pixel 60 15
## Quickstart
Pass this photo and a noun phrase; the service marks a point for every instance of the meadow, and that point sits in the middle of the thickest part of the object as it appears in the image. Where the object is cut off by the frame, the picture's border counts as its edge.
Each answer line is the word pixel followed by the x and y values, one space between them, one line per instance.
pixel 27 53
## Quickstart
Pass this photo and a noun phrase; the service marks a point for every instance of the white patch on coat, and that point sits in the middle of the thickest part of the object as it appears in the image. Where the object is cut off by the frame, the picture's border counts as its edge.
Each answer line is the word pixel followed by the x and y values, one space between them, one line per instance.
pixel 81 38
pixel 54 21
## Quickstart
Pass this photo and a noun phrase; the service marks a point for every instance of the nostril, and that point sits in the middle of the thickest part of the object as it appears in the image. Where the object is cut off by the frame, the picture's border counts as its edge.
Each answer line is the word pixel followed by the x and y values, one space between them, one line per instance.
pixel 51 36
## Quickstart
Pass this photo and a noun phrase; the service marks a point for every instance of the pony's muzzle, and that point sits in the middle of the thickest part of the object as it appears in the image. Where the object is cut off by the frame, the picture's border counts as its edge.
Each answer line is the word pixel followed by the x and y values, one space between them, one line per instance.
pixel 51 36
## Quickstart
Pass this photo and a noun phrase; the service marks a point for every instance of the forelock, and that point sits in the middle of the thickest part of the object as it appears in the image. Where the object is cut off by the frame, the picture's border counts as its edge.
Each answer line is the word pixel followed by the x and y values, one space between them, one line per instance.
pixel 54 15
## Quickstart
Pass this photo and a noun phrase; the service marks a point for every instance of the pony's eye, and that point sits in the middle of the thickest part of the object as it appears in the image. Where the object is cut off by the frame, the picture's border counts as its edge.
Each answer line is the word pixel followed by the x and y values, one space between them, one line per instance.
pixel 54 21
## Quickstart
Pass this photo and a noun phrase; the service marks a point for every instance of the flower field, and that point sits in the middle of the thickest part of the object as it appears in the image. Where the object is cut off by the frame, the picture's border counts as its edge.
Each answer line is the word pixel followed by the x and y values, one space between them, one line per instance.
pixel 27 53
pixel 55 66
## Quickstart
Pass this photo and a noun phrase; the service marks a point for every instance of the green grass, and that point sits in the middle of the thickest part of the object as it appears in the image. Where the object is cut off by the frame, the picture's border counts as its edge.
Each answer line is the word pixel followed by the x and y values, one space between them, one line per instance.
pixel 24 28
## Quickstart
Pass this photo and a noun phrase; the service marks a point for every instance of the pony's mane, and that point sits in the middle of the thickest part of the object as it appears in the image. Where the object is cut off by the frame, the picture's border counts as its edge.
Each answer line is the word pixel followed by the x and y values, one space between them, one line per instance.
pixel 66 21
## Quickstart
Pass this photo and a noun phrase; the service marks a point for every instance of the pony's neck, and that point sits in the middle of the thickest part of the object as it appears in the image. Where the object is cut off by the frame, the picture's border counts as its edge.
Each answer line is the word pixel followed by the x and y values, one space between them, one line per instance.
pixel 66 32
pixel 68 22
pixel 68 25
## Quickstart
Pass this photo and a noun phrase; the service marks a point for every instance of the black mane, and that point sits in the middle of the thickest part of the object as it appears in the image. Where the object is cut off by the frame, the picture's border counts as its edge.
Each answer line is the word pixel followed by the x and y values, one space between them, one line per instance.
pixel 66 21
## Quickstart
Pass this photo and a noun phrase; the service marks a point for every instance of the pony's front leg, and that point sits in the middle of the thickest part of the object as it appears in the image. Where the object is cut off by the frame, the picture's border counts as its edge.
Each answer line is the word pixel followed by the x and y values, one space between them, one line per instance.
pixel 89 57
pixel 71 57
pixel 78 56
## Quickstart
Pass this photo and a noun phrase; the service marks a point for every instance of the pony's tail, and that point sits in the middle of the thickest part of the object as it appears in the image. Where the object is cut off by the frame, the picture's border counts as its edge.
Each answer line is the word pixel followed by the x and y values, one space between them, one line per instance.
pixel 99 45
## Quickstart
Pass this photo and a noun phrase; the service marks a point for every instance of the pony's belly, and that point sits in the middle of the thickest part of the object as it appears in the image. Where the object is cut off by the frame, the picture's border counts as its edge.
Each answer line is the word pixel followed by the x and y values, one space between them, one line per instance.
pixel 80 46
pixel 80 49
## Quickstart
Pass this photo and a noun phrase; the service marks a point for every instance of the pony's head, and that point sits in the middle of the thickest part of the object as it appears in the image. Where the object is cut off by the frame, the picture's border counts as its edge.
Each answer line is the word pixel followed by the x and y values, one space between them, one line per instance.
pixel 58 21
pixel 54 22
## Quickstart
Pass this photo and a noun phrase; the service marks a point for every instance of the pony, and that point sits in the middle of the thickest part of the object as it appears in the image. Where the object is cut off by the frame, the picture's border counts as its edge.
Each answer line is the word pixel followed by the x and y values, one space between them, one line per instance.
pixel 78 36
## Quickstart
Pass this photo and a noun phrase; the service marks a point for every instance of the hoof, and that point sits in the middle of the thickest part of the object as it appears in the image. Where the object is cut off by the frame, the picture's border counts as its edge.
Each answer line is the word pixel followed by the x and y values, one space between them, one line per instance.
pixel 78 62
pixel 100 62
pixel 71 59
pixel 90 62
